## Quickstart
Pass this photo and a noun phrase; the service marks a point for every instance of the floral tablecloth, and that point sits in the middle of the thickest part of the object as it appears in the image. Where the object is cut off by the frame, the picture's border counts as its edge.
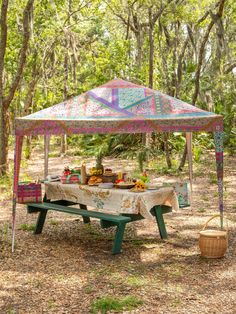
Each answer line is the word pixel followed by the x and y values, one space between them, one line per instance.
pixel 114 201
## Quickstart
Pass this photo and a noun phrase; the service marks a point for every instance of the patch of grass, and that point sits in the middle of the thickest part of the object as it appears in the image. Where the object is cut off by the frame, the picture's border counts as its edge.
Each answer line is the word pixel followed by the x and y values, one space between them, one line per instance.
pixel 11 311
pixel 136 281
pixel 138 242
pixel 51 304
pixel 54 154
pixel 54 222
pixel 176 303
pixel 102 271
pixel 117 275
pixel 212 178
pixel 4 239
pixel 37 283
pixel 201 210
pixel 226 194
pixel 106 304
pixel 199 173
pixel 60 278
pixel 176 272
pixel 6 186
pixel 88 289
pixel 27 227
pixel 4 229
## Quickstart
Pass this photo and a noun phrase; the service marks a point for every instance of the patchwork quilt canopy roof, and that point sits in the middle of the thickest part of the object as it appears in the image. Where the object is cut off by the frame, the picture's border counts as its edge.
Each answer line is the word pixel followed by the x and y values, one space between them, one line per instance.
pixel 118 107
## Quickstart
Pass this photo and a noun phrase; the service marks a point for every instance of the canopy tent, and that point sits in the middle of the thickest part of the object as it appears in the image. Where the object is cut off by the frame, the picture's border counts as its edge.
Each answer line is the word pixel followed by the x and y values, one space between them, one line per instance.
pixel 120 107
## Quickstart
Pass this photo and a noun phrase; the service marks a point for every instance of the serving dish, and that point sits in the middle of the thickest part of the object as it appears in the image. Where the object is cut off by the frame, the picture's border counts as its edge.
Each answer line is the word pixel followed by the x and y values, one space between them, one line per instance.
pixel 123 185
pixel 106 185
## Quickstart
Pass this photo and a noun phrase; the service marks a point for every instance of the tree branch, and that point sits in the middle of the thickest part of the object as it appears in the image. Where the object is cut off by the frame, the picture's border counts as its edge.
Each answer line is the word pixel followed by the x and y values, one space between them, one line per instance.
pixel 229 68
pixel 207 13
pixel 180 66
pixel 201 52
pixel 159 12
pixel 127 23
pixel 23 54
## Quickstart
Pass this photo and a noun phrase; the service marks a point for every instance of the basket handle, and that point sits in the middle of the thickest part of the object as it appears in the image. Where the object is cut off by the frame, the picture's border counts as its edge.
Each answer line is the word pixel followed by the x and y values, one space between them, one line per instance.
pixel 213 217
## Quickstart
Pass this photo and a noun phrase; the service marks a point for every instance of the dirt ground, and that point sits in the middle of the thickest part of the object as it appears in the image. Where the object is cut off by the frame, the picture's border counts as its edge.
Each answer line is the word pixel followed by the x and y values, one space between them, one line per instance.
pixel 69 266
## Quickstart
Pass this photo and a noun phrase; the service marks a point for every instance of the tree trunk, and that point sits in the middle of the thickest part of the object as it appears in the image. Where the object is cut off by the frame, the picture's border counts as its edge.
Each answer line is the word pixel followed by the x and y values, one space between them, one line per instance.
pixel 6 99
pixel 28 148
pixel 4 134
pixel 183 159
pixel 139 49
pixel 65 92
pixel 151 48
pixel 63 145
pixel 167 152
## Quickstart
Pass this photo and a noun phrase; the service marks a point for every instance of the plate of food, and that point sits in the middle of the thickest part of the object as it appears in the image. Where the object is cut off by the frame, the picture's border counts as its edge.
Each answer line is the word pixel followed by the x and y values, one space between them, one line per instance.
pixel 94 180
pixel 137 190
pixel 140 186
pixel 125 185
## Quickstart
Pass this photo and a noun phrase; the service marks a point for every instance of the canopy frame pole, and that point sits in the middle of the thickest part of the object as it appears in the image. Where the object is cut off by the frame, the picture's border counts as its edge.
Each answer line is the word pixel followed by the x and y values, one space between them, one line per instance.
pixel 46 152
pixel 17 160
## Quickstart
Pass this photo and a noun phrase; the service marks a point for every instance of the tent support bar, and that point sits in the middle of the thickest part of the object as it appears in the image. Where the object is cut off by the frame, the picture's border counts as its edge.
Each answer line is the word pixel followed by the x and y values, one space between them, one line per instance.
pixel 219 139
pixel 17 159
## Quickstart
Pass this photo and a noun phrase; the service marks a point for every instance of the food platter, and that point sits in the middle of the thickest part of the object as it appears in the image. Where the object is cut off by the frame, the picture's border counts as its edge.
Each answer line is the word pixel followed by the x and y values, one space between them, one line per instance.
pixel 123 185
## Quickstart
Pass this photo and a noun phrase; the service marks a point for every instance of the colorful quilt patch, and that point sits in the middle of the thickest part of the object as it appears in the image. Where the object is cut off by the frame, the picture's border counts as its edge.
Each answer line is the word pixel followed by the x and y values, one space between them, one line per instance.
pixel 129 96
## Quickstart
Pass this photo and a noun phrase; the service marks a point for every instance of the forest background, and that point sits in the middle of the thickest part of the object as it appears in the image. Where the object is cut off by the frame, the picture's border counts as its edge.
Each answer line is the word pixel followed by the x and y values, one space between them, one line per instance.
pixel 51 50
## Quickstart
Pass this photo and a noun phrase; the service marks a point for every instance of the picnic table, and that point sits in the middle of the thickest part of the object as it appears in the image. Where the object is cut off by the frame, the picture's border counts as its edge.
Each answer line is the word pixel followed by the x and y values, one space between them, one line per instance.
pixel 114 207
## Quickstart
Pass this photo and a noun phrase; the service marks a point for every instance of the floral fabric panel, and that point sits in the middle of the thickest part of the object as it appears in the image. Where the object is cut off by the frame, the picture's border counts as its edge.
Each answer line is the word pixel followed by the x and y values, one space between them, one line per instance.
pixel 182 191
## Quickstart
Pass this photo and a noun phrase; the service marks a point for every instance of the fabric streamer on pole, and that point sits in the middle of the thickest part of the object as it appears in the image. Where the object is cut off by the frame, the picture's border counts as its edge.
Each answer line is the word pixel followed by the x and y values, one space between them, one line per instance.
pixel 219 141
pixel 190 161
pixel 17 160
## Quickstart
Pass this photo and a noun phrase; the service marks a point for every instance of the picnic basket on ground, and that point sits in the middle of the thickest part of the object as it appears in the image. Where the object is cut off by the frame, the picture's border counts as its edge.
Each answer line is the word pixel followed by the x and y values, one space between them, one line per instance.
pixel 213 243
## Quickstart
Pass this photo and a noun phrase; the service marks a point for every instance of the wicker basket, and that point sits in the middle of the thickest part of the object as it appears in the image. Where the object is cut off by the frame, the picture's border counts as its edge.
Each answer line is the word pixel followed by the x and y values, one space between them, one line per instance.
pixel 213 243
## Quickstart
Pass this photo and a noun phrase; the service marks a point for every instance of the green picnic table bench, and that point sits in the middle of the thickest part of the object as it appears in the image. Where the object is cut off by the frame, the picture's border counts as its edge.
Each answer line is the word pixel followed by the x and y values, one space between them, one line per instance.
pixel 106 220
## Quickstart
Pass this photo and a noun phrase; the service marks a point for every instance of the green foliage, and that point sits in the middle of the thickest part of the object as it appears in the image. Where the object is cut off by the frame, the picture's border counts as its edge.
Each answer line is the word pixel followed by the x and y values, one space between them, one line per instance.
pixel 106 304
pixel 54 222
pixel 99 46
pixel 27 227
